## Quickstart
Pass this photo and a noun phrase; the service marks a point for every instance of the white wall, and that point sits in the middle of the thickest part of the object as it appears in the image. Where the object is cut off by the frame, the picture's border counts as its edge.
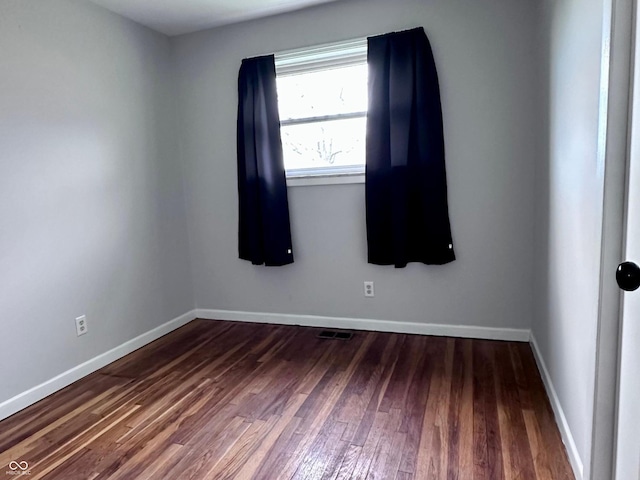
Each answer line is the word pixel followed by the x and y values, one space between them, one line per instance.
pixel 569 179
pixel 91 198
pixel 485 55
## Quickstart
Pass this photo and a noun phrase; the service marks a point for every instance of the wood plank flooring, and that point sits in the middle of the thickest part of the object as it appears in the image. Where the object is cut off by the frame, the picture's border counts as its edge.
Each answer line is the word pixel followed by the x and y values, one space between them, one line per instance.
pixel 224 400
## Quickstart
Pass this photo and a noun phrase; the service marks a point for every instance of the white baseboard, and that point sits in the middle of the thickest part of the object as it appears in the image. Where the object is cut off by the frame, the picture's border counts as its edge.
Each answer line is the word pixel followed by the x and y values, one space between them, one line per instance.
pixel 489 333
pixel 561 419
pixel 37 393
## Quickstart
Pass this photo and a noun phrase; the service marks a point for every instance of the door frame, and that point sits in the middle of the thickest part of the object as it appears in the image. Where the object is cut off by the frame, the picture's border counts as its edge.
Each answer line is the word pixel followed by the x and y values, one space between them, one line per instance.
pixel 618 47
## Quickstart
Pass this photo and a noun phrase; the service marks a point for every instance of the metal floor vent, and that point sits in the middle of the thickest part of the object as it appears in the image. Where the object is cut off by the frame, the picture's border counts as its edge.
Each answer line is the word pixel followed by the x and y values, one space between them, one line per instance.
pixel 335 335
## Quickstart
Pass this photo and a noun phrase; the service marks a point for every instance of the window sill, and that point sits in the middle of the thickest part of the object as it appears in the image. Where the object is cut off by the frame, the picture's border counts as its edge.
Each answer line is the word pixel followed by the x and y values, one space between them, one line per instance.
pixel 311 180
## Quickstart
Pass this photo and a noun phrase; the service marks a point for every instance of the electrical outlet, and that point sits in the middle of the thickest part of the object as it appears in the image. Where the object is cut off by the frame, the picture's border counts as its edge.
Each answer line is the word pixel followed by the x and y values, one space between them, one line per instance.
pixel 368 289
pixel 81 325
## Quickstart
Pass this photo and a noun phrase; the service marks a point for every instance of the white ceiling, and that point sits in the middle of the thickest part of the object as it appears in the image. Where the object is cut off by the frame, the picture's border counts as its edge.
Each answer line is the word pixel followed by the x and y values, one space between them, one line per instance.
pixel 175 17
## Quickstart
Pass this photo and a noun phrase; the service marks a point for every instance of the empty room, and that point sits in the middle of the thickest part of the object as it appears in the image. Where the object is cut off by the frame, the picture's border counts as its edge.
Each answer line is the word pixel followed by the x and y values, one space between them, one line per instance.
pixel 319 239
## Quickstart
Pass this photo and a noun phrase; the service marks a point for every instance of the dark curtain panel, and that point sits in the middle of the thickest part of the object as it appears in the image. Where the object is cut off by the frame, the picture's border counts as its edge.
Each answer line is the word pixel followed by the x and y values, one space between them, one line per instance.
pixel 406 184
pixel 264 230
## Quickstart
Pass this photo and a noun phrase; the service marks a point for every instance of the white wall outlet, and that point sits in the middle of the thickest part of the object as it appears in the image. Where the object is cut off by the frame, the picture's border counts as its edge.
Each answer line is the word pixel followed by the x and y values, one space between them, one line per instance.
pixel 81 325
pixel 368 289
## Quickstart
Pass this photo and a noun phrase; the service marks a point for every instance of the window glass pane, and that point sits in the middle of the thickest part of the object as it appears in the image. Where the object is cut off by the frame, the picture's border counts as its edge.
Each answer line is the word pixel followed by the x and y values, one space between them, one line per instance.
pixel 334 143
pixel 325 92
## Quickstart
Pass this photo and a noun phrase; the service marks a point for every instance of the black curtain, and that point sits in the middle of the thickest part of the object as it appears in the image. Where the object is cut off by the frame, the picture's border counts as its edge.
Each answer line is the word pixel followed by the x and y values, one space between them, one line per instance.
pixel 264 230
pixel 406 184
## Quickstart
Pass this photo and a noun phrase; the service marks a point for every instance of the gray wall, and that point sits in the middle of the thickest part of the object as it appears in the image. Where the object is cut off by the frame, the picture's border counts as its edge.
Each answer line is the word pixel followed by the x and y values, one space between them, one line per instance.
pixel 485 54
pixel 569 207
pixel 91 198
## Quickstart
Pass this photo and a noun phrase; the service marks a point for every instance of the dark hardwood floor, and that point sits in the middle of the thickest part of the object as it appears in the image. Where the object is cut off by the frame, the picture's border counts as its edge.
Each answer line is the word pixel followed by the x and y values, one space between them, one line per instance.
pixel 223 400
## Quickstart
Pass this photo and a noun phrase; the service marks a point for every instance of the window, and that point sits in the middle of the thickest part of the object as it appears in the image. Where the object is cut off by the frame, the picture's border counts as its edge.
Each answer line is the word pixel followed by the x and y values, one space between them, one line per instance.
pixel 322 98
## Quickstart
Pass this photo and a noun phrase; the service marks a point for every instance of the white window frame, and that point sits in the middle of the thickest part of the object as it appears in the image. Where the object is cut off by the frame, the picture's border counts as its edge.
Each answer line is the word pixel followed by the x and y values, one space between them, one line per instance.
pixel 310 59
